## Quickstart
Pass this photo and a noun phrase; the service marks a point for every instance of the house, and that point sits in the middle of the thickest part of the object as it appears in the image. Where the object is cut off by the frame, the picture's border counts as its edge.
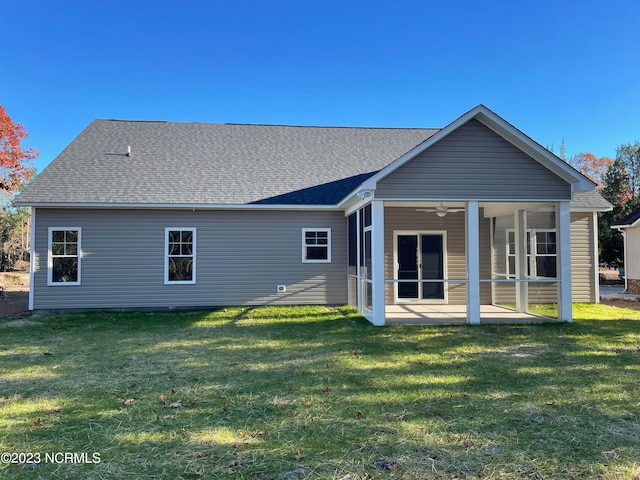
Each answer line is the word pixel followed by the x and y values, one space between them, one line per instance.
pixel 394 221
pixel 629 226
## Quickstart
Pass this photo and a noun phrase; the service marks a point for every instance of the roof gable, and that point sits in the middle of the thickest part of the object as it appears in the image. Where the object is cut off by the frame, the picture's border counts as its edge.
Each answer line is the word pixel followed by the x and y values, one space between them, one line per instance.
pixel 505 130
pixel 473 162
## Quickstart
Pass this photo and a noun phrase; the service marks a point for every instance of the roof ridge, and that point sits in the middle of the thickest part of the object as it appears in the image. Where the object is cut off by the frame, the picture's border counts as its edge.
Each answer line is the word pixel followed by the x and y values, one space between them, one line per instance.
pixel 346 127
pixel 131 121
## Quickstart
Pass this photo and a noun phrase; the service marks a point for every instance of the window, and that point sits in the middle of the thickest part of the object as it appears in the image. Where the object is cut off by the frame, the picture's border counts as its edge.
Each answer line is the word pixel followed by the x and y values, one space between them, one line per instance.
pixel 545 253
pixel 180 261
pixel 541 253
pixel 64 256
pixel 316 245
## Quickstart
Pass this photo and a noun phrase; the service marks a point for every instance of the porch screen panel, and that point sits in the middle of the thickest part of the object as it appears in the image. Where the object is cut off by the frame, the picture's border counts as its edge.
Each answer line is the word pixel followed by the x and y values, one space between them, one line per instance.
pixel 352 260
pixel 432 266
pixel 353 245
pixel 367 268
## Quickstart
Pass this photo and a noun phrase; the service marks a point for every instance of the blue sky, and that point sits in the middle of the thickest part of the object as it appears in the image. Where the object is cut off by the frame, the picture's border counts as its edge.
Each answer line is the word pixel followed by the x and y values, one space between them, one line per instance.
pixel 552 68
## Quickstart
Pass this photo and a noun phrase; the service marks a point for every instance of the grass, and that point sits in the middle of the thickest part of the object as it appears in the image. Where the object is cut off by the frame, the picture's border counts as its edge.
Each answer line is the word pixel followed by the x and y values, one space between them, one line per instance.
pixel 317 392
pixel 582 311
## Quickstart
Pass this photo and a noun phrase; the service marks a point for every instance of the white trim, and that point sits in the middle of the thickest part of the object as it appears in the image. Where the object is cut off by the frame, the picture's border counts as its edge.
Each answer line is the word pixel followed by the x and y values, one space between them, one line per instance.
pixel 590 209
pixel 596 254
pixel 625 249
pixel 166 255
pixel 377 262
pixel 50 282
pixel 419 300
pixel 32 258
pixel 178 206
pixel 563 240
pixel 628 225
pixel 304 245
pixel 319 208
pixel 473 262
pixel 533 255
pixel 358 262
pixel 520 238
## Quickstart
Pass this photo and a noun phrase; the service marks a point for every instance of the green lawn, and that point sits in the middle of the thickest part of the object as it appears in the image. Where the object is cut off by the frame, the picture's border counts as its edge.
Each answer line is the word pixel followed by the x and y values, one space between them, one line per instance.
pixel 317 392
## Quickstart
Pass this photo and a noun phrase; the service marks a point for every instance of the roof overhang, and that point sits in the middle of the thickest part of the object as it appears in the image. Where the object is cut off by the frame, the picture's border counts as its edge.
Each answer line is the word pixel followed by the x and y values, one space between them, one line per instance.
pixel 180 206
pixel 623 227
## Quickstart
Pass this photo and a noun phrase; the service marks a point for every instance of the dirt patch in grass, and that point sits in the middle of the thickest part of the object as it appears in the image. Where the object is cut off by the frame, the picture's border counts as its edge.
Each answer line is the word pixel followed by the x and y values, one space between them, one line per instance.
pixel 632 304
pixel 14 302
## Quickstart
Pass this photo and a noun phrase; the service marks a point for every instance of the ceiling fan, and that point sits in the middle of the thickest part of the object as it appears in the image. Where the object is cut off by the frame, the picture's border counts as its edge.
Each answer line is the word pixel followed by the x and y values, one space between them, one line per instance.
pixel 440 210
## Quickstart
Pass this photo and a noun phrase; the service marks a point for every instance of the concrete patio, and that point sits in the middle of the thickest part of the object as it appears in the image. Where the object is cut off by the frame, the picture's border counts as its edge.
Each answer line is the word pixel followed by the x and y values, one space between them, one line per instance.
pixel 456 315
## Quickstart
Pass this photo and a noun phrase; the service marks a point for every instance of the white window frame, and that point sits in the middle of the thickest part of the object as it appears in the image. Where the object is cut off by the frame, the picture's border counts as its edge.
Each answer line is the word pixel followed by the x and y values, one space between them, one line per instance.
pixel 50 256
pixel 532 253
pixel 304 245
pixel 166 255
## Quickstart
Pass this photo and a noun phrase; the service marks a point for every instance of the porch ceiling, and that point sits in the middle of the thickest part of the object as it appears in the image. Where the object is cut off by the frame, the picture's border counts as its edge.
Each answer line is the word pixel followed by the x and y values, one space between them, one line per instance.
pixel 490 209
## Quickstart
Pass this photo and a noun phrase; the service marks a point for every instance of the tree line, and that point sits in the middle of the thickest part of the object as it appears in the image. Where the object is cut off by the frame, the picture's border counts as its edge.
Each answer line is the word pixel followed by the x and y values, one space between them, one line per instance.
pixel 15 170
pixel 618 181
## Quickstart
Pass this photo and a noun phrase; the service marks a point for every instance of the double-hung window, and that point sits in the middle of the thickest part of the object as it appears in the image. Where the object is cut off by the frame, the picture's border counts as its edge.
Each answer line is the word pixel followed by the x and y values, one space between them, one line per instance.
pixel 65 253
pixel 180 255
pixel 545 264
pixel 541 253
pixel 316 245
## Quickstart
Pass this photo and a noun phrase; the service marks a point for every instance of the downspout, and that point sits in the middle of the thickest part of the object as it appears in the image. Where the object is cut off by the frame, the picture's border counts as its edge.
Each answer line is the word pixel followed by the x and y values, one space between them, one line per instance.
pixel 622 230
pixel 32 257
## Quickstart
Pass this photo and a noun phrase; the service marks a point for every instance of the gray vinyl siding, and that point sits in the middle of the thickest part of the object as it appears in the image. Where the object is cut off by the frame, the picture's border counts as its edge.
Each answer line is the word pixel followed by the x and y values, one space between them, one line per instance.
pixel 473 163
pixel 454 224
pixel 241 258
pixel 632 253
pixel 583 258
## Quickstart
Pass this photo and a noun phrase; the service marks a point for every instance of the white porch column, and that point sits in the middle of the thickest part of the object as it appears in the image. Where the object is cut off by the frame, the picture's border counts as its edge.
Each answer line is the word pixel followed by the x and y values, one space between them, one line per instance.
pixel 377 262
pixel 520 237
pixel 563 242
pixel 473 262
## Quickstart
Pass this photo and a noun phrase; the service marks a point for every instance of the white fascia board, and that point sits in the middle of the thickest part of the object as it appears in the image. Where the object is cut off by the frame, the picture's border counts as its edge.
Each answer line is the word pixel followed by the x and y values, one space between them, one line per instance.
pixel 181 206
pixel 591 209
pixel 622 227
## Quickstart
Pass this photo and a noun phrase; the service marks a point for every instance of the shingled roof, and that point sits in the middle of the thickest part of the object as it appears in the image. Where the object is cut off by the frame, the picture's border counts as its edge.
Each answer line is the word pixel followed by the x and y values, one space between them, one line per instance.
pixel 630 220
pixel 180 163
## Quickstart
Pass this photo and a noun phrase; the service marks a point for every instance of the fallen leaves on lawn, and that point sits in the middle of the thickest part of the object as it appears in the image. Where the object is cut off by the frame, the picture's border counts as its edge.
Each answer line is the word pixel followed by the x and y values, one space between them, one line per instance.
pixel 164 400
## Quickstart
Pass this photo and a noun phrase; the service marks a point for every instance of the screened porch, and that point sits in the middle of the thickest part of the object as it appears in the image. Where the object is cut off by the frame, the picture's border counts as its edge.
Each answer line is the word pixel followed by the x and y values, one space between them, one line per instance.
pixel 460 262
